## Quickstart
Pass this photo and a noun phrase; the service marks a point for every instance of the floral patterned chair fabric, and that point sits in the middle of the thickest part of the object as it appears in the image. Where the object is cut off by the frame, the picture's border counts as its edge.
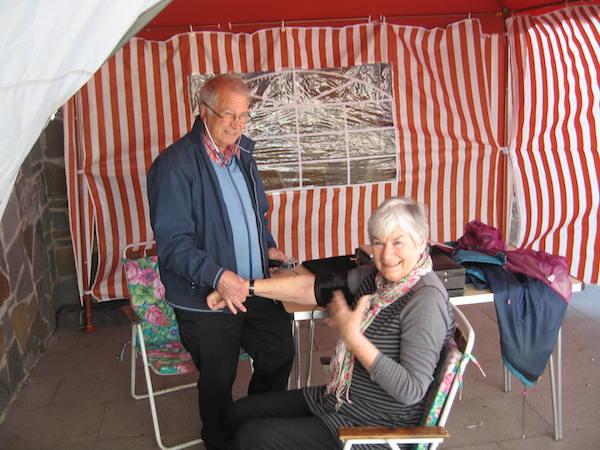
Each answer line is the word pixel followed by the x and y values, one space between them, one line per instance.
pixel 154 334
pixel 445 376
pixel 161 335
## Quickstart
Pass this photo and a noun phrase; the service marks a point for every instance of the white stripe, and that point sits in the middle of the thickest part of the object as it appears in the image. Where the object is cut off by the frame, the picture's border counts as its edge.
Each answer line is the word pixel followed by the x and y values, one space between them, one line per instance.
pixel 370 43
pixel 194 63
pixel 166 97
pixel 300 226
pixel 181 84
pixel 302 42
pixel 276 197
pixel 343 48
pixel 221 53
pixel 276 49
pixel 357 47
pixel 315 223
pixel 289 35
pixel 328 222
pixel 207 52
pixel 341 213
pixel 329 47
pixel 151 97
pixel 263 51
pixel 235 53
pixel 250 54
pixel 289 226
pixel 315 47
pixel 354 232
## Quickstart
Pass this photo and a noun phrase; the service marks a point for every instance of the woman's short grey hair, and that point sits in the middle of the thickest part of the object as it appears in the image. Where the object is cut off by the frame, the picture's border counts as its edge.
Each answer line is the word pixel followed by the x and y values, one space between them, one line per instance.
pixel 226 82
pixel 402 212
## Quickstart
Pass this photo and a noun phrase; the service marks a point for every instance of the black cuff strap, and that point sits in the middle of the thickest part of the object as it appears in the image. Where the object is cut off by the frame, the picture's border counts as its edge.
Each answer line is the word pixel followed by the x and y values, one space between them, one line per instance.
pixel 251 288
pixel 327 283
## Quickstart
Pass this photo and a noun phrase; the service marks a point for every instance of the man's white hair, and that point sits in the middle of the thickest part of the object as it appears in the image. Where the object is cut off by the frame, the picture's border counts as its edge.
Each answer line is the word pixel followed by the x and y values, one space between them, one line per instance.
pixel 210 90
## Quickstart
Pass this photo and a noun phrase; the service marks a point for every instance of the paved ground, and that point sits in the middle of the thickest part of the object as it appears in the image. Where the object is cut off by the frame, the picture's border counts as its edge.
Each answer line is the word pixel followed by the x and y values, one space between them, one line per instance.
pixel 78 395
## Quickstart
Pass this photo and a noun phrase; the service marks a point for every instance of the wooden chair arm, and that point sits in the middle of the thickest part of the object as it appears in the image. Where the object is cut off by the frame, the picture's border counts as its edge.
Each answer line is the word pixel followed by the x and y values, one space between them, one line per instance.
pixel 346 433
pixel 130 314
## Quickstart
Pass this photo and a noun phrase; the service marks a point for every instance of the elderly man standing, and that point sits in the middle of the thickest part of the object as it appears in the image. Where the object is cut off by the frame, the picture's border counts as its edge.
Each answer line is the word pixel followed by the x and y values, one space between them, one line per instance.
pixel 207 209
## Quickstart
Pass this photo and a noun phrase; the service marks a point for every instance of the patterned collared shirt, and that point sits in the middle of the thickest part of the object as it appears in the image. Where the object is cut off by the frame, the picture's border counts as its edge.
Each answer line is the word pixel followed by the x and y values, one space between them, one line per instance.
pixel 215 155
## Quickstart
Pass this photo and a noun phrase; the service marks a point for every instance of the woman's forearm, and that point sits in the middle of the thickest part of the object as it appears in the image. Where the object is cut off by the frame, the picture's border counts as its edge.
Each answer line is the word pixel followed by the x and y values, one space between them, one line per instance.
pixel 363 349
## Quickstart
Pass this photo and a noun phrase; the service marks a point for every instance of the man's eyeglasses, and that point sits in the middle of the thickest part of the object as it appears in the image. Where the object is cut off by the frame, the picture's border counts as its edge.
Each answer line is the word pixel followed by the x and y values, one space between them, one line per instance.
pixel 228 116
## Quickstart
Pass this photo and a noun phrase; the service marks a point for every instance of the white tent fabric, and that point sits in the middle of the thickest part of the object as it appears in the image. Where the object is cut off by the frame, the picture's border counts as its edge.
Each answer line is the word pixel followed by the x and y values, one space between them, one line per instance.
pixel 48 50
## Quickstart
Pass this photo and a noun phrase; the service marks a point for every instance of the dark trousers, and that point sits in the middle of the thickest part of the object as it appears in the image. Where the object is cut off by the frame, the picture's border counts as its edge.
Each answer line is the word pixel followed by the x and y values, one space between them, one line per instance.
pixel 214 340
pixel 276 421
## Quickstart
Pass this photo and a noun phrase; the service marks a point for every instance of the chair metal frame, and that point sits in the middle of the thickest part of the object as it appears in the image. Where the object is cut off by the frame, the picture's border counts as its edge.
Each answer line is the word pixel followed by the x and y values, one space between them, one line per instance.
pixel 433 435
pixel 137 335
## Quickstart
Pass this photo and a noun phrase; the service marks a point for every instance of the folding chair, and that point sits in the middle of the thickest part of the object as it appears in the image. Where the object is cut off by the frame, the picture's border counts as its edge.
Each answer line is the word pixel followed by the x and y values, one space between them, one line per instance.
pixel 447 379
pixel 154 332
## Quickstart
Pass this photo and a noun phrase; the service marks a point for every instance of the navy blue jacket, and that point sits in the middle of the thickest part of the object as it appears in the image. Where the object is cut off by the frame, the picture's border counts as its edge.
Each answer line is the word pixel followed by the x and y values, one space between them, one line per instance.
pixel 189 217
pixel 530 314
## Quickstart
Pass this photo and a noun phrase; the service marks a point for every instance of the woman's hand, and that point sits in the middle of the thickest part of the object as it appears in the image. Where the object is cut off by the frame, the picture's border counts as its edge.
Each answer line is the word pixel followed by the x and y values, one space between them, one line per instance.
pixel 347 321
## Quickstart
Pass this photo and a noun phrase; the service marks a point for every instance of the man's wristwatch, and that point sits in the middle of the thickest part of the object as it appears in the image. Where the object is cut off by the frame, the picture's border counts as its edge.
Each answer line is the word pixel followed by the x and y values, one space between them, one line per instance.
pixel 251 288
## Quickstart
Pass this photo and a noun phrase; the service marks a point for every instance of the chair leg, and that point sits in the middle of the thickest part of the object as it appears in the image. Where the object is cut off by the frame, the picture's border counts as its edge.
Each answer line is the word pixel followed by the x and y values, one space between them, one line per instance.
pixel 133 363
pixel 134 354
pixel 151 396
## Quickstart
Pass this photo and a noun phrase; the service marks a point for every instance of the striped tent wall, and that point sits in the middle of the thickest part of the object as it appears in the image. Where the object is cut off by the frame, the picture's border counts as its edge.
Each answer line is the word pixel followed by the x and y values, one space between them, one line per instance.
pixel 449 110
pixel 555 144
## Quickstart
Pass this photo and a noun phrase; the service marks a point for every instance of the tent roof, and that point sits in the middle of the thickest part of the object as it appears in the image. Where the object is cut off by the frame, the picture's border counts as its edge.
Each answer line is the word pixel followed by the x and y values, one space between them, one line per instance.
pixel 246 16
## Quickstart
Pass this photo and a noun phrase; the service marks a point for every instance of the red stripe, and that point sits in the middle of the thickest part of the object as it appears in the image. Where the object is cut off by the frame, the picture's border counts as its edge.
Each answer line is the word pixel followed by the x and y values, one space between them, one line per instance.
pixel 349 45
pixel 348 221
pixel 158 100
pixel 243 53
pixel 543 63
pixel 214 53
pixel 269 50
pixel 335 38
pixel 322 205
pixel 335 222
pixel 228 51
pixel 256 48
pixel 140 219
pixel 173 98
pixel 362 223
pixel 308 224
pixel 437 183
pixel 295 224
pixel 284 49
pixel 281 221
pixel 364 50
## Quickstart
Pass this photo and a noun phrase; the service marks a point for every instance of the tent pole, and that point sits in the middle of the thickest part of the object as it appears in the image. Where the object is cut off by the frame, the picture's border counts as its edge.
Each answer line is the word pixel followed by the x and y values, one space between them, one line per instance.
pixel 87 298
pixel 89 325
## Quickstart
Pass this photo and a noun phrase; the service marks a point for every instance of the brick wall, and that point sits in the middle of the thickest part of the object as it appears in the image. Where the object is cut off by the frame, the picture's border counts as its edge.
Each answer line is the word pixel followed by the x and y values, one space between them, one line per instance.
pixel 37 272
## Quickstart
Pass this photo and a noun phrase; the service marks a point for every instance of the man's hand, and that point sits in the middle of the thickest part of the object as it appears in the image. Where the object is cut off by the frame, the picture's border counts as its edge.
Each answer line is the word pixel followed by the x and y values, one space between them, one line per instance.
pixel 233 289
pixel 275 253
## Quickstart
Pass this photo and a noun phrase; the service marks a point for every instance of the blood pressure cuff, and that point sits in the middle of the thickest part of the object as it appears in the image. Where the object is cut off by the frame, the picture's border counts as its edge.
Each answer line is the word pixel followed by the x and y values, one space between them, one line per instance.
pixel 353 283
pixel 327 282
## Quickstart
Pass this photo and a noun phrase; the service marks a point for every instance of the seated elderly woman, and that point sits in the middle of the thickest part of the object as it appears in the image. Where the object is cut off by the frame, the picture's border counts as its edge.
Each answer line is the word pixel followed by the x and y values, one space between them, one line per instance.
pixel 390 342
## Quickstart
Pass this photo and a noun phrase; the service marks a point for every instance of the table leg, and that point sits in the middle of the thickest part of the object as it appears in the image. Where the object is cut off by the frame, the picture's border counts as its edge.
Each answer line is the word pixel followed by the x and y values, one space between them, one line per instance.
pixel 507 379
pixel 555 363
pixel 297 357
pixel 309 352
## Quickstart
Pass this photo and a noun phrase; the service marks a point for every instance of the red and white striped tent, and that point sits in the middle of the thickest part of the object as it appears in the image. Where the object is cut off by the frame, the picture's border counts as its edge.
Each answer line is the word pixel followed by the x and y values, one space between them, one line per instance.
pixel 495 103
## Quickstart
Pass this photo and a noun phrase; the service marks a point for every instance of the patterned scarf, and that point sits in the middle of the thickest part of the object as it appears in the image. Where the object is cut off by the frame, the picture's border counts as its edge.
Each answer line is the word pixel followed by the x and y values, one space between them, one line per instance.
pixel 342 363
